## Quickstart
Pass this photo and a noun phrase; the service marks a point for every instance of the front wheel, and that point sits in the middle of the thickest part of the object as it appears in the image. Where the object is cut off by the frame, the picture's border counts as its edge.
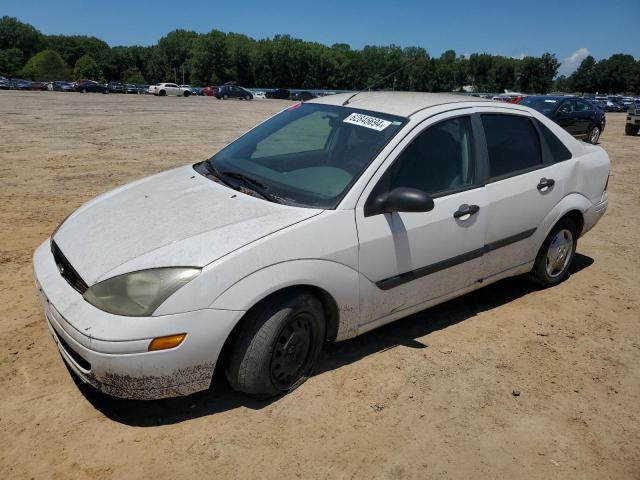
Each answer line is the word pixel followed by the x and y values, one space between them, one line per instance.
pixel 186 94
pixel 594 135
pixel 225 97
pixel 631 129
pixel 278 345
pixel 248 97
pixel 556 255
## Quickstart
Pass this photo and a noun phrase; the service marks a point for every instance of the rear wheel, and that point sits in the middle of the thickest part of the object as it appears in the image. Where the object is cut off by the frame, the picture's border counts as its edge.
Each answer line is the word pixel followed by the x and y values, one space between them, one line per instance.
pixel 247 97
pixel 594 135
pixel 556 255
pixel 631 129
pixel 163 93
pixel 278 345
pixel 225 97
pixel 84 90
pixel 186 93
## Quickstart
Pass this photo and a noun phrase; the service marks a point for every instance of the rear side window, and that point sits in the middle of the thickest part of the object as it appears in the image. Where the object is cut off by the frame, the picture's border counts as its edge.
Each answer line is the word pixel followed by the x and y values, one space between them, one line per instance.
pixel 558 151
pixel 512 143
pixel 583 106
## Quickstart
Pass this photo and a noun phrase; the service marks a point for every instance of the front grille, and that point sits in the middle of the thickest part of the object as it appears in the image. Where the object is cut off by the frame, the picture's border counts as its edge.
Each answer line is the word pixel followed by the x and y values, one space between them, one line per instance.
pixel 71 352
pixel 67 271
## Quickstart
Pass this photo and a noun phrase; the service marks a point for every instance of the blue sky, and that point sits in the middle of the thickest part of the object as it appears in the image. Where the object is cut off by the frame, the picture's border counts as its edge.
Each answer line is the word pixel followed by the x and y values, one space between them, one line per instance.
pixel 571 29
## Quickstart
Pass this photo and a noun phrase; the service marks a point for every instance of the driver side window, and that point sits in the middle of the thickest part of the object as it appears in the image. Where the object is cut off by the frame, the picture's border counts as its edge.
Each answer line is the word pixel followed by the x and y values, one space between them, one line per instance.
pixel 566 107
pixel 439 160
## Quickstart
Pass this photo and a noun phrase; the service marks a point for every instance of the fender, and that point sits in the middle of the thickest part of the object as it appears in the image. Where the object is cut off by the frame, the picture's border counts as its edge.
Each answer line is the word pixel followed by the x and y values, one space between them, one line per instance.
pixel 573 201
pixel 338 280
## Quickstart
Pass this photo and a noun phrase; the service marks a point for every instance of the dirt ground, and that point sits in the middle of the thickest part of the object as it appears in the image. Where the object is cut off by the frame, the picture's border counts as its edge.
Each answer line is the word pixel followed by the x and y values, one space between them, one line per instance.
pixel 430 396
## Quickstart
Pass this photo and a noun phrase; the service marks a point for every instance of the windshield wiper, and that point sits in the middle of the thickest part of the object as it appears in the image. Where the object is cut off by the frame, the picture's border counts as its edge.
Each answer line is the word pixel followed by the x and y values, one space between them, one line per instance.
pixel 215 173
pixel 253 185
pixel 248 182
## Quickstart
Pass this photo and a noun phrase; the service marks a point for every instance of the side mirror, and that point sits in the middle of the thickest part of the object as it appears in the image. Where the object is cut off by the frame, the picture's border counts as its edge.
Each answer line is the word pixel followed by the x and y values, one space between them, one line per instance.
pixel 401 199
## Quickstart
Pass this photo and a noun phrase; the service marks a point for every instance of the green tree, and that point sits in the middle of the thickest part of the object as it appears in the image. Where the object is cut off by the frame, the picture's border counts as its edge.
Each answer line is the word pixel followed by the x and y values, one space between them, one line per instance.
pixel 46 66
pixel 73 47
pixel 22 36
pixel 174 51
pixel 86 67
pixel 582 80
pixel 11 60
pixel 133 75
pixel 209 59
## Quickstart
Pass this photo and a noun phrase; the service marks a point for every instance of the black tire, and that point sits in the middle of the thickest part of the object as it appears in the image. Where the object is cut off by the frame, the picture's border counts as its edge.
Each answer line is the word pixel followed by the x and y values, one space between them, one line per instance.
pixel 162 93
pixel 594 135
pixel 631 129
pixel 278 345
pixel 186 93
pixel 225 97
pixel 542 273
pixel 248 97
pixel 84 90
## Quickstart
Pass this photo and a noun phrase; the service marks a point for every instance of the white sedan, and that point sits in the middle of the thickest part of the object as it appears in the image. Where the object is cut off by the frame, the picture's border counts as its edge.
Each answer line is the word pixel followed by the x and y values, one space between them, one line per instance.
pixel 331 218
pixel 169 89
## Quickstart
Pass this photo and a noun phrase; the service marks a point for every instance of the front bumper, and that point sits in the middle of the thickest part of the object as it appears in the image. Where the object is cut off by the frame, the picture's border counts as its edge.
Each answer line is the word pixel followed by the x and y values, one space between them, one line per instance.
pixel 110 352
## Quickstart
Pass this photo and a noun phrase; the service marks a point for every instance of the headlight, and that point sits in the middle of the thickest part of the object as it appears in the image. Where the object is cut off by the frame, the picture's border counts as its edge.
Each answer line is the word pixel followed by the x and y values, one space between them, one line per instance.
pixel 138 294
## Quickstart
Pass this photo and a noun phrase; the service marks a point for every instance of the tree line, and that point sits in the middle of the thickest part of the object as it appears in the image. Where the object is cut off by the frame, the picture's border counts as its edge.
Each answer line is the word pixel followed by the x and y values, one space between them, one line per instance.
pixel 216 57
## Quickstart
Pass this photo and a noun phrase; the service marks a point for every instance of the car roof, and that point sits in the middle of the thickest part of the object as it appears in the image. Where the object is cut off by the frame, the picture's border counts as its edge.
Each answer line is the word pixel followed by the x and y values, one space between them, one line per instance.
pixel 403 104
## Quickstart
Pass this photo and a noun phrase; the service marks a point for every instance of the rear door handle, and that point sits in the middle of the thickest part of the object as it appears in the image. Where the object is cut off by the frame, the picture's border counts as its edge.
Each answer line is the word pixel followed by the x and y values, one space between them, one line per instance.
pixel 466 210
pixel 546 183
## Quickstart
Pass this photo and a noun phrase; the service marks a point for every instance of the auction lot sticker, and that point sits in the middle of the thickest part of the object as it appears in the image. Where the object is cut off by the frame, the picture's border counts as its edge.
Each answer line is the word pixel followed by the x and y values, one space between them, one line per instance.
pixel 367 121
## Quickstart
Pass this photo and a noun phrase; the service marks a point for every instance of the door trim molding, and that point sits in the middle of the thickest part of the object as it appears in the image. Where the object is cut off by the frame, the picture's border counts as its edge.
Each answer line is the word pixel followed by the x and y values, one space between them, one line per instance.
pixel 406 277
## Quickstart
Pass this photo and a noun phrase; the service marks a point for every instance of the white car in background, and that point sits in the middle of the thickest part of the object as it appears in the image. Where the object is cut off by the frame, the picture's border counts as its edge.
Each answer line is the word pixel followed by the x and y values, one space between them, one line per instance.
pixel 169 89
pixel 331 218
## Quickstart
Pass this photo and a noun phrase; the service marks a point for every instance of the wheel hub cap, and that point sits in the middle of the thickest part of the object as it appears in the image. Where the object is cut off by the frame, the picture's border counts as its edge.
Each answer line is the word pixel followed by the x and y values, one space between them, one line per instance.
pixel 559 253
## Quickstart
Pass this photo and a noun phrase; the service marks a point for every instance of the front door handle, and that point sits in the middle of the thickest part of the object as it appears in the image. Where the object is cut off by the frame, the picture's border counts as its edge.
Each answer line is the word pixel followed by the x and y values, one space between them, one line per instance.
pixel 546 183
pixel 466 210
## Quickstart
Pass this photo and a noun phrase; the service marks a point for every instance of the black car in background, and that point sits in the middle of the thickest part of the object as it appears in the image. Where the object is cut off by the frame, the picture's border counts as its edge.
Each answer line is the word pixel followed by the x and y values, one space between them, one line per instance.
pixel 303 96
pixel 577 116
pixel 115 87
pixel 233 91
pixel 87 86
pixel 279 93
pixel 60 86
pixel 5 83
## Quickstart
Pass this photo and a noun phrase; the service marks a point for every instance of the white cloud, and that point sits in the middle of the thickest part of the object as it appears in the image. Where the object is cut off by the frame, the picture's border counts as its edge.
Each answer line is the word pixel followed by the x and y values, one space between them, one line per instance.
pixel 573 61
pixel 521 56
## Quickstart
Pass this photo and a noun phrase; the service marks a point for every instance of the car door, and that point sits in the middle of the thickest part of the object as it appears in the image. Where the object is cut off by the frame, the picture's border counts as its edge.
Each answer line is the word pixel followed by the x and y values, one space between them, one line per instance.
pixel 585 117
pixel 406 259
pixel 172 89
pixel 524 185
pixel 565 116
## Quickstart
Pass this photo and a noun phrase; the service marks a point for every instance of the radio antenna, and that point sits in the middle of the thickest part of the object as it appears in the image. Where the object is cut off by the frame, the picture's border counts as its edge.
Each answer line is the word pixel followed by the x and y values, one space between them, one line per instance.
pixel 376 83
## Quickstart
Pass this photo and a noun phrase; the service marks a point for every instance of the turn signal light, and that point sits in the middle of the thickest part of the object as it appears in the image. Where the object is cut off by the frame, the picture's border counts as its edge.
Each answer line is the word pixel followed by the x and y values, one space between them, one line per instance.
pixel 163 343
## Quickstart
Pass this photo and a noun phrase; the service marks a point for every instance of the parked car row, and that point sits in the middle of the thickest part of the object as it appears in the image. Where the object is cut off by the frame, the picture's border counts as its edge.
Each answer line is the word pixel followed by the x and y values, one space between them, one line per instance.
pixel 21 84
pixel 83 86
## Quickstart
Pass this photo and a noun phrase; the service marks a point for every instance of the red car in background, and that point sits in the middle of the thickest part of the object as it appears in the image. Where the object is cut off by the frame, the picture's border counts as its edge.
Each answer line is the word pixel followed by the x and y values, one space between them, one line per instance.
pixel 209 91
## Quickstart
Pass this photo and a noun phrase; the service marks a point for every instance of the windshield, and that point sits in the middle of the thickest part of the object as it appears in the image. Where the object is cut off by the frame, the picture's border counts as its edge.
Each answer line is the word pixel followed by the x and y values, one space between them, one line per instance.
pixel 544 105
pixel 308 155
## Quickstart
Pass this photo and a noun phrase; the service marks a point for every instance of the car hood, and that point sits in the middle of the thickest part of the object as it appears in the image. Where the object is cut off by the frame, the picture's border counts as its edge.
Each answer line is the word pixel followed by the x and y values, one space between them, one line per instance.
pixel 175 218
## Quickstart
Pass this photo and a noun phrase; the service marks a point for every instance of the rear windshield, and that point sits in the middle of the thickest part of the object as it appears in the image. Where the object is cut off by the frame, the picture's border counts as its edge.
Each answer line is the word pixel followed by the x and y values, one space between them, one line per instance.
pixel 309 154
pixel 544 105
